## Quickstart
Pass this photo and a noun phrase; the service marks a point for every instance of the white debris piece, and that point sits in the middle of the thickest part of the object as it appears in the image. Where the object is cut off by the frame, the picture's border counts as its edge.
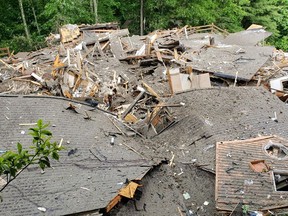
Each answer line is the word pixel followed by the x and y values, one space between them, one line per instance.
pixel 42 209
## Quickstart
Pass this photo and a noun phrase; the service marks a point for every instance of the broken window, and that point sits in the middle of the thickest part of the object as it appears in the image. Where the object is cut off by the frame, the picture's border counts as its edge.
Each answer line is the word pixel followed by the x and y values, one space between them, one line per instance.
pixel 285 85
pixel 280 180
pixel 276 150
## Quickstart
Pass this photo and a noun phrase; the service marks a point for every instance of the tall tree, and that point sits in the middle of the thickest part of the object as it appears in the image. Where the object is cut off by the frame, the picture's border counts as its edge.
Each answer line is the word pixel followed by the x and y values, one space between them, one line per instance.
pixel 35 17
pixel 24 20
pixel 141 17
pixel 91 6
pixel 95 3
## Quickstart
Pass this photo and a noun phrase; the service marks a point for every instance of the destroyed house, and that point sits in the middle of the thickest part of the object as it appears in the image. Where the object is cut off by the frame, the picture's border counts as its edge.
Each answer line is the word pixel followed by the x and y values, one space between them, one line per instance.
pixel 196 99
pixel 91 170
pixel 215 115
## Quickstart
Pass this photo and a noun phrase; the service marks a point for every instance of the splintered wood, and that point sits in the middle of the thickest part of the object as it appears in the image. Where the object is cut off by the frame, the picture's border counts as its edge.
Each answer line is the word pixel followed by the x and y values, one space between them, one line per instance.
pixel 131 76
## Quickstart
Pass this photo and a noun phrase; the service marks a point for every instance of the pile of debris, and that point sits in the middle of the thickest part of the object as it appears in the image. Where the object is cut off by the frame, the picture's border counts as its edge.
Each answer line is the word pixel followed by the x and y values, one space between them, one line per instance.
pixel 134 77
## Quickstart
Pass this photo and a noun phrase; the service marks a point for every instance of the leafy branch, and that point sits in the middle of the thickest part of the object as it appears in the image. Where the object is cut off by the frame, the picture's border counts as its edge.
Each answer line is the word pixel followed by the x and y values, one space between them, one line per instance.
pixel 12 164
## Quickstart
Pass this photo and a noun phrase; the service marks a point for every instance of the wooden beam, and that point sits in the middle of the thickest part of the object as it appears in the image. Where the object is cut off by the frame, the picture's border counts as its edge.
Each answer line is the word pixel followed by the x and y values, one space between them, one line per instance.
pixel 139 96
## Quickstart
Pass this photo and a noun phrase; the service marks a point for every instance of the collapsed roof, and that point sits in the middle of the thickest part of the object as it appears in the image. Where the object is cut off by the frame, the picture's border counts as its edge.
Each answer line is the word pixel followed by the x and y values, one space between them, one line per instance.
pixel 91 170
pixel 148 82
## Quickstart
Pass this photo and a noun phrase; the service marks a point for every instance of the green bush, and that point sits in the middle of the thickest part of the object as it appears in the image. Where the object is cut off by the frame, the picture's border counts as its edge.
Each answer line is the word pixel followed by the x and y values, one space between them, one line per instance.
pixel 22 44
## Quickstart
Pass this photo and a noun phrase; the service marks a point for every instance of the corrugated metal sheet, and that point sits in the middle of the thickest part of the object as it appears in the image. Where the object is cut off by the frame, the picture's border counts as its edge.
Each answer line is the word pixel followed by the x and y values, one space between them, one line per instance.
pixel 235 180
pixel 84 181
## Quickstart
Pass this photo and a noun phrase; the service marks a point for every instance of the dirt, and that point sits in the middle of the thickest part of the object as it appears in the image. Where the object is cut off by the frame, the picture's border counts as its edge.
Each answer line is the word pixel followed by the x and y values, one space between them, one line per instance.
pixel 163 189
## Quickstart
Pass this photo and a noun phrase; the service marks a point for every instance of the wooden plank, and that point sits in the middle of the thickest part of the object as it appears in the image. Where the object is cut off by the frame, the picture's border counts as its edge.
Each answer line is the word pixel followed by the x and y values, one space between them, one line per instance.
pixel 181 29
pixel 149 42
pixel 24 80
pixel 155 112
pixel 130 118
pixel 7 65
pixel 175 80
pixel 113 202
pixel 100 49
pixel 169 80
pixel 274 207
pixel 91 38
pixel 116 47
pixel 166 105
pixel 158 54
pixel 69 33
pixel 100 26
pixel 200 81
pixel 134 57
pixel 5 51
pixel 139 96
pixel 150 90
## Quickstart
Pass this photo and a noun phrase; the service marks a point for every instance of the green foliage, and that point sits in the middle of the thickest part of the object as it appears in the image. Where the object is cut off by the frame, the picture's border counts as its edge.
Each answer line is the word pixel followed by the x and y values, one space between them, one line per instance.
pixel 271 14
pixel 108 9
pixel 13 163
pixel 264 13
pixel 230 14
pixel 281 43
pixel 163 14
pixel 21 43
pixel 129 12
pixel 245 209
pixel 233 15
pixel 58 13
pixel 18 43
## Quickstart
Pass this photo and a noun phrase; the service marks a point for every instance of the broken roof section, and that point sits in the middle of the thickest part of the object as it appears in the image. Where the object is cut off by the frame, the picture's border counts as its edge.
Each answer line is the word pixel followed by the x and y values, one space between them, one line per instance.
pixel 230 61
pixel 252 36
pixel 213 115
pixel 91 170
pixel 262 190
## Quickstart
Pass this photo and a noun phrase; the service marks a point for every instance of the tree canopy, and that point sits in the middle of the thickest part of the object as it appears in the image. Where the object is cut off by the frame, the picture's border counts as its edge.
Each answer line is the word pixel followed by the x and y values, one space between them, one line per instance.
pixel 45 16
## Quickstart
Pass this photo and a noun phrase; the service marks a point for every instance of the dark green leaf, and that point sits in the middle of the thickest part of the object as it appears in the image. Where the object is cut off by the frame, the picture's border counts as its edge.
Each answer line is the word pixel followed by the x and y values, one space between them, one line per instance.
pixel 45 161
pixel 55 155
pixel 40 123
pixel 34 130
pixel 36 138
pixel 13 171
pixel 45 126
pixel 19 147
pixel 46 132
pixel 6 167
pixel 20 164
pixel 42 165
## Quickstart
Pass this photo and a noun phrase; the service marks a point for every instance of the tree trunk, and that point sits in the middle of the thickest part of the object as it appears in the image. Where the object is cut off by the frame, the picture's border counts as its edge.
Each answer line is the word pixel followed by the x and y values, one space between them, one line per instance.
pixel 24 20
pixel 35 17
pixel 91 6
pixel 141 17
pixel 95 10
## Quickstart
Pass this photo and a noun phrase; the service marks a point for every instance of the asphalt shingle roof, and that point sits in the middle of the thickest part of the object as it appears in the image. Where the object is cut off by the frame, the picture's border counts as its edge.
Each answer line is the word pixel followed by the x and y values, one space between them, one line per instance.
pixel 86 180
